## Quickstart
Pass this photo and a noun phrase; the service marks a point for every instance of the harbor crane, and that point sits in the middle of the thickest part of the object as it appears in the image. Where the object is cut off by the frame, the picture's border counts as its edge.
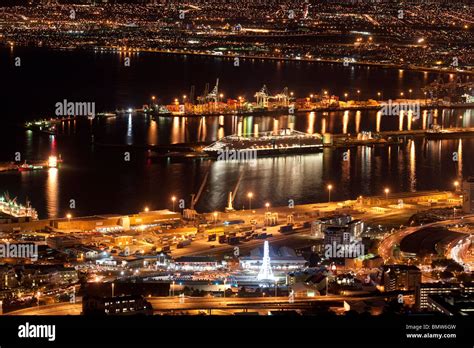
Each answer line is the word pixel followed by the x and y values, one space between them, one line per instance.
pixel 453 90
pixel 263 97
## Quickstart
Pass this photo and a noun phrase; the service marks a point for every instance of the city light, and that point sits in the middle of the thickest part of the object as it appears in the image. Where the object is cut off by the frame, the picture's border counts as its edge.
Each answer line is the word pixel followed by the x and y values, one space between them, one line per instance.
pixel 329 187
pixel 292 123
pixel 387 191
pixel 173 199
pixel 52 162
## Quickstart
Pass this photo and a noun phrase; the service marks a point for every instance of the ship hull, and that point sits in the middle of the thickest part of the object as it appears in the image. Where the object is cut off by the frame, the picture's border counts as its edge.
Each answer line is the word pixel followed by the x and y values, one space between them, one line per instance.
pixel 268 152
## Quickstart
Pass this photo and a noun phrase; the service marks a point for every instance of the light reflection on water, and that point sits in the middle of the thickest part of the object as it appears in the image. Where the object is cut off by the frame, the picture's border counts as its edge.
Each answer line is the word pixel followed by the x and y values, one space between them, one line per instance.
pixel 99 180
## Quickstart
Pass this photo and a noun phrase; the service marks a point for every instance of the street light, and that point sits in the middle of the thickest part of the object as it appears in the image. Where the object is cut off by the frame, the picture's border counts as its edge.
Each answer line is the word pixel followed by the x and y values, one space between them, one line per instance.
pixel 69 216
pixel 267 205
pixel 329 192
pixel 215 217
pixel 456 185
pixel 250 195
pixel 173 199
pixel 387 190
pixel 147 209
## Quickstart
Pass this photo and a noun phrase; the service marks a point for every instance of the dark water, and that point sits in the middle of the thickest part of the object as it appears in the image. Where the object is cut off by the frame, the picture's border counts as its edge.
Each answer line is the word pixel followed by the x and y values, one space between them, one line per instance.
pixel 100 181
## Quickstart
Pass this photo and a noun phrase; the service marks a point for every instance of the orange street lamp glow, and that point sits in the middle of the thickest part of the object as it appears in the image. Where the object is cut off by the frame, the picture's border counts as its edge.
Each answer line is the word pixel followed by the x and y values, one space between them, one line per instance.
pixel 250 195
pixel 173 199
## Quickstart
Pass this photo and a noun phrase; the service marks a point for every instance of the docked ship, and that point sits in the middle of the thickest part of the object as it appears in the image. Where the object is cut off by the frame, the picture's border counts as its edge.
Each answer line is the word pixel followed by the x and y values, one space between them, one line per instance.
pixel 157 111
pixel 52 162
pixel 27 167
pixel 10 207
pixel 283 142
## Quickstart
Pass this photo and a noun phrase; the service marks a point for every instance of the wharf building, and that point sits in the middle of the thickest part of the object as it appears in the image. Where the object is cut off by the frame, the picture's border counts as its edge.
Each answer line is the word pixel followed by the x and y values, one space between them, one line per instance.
pixel 282 259
pixel 104 223
pixel 352 227
pixel 342 236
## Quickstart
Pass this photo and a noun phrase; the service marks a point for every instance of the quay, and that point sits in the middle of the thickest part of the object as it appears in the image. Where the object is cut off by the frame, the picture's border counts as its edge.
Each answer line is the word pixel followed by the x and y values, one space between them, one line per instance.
pixel 376 205
pixel 386 138
pixel 212 102
pixel 445 133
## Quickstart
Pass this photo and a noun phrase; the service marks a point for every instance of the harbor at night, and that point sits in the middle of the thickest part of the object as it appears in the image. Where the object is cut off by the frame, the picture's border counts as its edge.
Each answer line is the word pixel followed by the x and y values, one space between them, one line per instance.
pixel 175 161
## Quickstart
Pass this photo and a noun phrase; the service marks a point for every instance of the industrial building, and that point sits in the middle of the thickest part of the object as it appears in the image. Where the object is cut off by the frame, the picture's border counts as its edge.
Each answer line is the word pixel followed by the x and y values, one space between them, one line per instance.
pixel 282 259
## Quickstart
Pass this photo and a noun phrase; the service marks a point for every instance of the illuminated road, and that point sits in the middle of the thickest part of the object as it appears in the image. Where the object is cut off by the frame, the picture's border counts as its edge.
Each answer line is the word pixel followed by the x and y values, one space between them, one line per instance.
pixel 203 303
pixel 386 246
pixel 53 309
pixel 458 250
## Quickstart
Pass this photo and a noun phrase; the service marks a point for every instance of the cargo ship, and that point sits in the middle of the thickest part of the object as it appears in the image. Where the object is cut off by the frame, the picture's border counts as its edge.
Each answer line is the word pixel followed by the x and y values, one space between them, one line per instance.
pixel 25 167
pixel 52 162
pixel 283 142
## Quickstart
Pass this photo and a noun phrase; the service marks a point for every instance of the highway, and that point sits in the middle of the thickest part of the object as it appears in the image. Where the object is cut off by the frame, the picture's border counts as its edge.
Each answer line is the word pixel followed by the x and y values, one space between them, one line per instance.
pixel 165 304
pixel 386 246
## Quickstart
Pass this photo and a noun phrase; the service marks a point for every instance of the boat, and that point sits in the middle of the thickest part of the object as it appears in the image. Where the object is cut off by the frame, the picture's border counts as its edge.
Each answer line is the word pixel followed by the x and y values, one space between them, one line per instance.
pixel 157 112
pixel 106 114
pixel 28 167
pixel 283 142
pixel 10 207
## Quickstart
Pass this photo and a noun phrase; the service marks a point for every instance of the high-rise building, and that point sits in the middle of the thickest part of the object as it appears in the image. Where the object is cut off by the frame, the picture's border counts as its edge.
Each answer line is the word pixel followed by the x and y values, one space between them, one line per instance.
pixel 400 277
